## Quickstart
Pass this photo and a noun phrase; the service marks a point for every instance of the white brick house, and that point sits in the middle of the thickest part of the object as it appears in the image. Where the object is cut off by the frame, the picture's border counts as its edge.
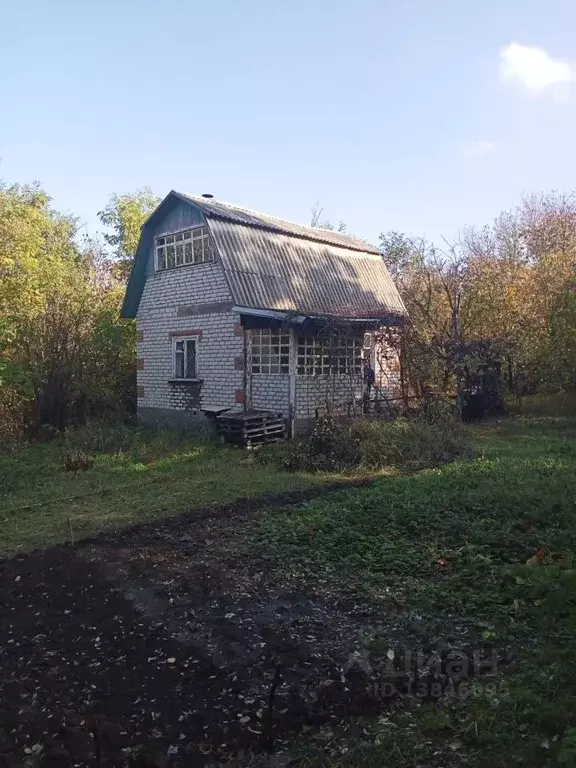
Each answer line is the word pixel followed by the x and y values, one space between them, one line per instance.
pixel 239 310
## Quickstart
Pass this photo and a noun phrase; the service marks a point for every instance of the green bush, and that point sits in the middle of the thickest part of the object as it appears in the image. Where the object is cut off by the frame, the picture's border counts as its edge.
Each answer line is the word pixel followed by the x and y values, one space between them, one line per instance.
pixel 425 440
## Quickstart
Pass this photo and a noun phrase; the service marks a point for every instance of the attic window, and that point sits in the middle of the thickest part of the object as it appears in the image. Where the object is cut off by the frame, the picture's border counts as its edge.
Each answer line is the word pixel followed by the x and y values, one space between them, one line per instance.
pixel 192 246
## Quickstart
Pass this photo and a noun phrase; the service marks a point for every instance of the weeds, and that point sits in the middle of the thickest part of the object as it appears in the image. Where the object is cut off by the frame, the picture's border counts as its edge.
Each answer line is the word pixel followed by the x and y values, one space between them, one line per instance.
pixel 113 474
pixel 487 545
pixel 117 438
pixel 77 461
pixel 426 440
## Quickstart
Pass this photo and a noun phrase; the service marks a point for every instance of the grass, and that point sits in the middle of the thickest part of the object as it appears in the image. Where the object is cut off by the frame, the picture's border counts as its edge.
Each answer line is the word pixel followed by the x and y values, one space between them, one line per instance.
pixel 450 546
pixel 131 474
pixel 485 546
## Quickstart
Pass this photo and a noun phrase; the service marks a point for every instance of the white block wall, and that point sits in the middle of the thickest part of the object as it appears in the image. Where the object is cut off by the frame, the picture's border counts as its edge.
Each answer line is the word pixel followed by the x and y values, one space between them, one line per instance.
pixel 270 392
pixel 220 354
pixel 218 346
pixel 345 391
pixel 314 392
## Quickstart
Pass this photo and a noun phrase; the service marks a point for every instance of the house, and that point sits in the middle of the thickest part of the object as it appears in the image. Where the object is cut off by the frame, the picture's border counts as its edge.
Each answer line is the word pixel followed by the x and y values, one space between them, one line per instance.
pixel 240 310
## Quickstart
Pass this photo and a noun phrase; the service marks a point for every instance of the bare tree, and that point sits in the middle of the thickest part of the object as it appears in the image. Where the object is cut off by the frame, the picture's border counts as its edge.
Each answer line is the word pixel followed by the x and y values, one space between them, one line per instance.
pixel 316 214
pixel 431 281
pixel 315 220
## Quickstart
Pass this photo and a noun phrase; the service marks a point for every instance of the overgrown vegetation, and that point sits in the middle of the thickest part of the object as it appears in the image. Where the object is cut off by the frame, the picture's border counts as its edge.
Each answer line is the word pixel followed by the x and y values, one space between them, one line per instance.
pixel 503 293
pixel 65 353
pixel 432 437
pixel 108 474
pixel 484 546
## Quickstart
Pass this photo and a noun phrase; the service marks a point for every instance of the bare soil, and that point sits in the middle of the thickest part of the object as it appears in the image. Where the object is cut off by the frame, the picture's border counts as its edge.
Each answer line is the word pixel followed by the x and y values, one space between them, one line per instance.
pixel 173 644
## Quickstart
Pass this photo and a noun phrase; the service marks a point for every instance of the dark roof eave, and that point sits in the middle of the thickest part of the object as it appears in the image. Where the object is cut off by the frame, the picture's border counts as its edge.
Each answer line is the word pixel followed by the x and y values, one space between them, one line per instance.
pixel 300 317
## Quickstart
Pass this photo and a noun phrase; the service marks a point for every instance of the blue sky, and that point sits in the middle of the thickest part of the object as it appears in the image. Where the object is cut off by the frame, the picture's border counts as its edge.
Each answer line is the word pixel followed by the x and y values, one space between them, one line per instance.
pixel 416 115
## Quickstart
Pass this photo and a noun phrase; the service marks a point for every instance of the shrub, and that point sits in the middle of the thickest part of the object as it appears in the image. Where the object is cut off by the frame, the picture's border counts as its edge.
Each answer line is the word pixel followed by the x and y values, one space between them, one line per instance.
pixel 101 436
pixel 426 440
pixel 125 440
pixel 76 461
pixel 12 421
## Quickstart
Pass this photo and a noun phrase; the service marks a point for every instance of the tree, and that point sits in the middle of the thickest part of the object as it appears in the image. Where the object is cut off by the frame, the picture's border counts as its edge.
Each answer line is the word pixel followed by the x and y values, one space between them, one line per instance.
pixel 124 215
pixel 507 289
pixel 316 220
pixel 430 281
pixel 65 353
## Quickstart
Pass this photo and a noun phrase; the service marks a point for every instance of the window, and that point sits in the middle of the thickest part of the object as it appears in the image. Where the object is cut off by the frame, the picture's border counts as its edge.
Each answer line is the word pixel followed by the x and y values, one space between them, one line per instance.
pixel 323 355
pixel 185 358
pixel 270 350
pixel 190 247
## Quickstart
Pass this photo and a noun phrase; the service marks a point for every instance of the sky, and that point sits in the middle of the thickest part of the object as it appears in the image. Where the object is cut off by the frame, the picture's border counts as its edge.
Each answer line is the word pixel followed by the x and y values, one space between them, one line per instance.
pixel 422 116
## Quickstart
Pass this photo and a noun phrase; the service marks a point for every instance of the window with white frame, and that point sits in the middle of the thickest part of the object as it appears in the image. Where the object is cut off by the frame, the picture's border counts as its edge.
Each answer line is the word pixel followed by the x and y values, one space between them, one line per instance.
pixel 192 246
pixel 185 354
pixel 270 350
pixel 325 355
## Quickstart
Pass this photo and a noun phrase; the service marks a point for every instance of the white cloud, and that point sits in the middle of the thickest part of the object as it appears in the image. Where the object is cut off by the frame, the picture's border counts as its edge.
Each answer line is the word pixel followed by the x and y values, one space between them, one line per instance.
pixel 534 67
pixel 479 149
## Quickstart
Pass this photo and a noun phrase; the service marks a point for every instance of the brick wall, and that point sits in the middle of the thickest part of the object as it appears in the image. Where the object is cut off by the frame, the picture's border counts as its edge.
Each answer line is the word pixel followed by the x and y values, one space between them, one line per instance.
pixel 267 391
pixel 160 317
pixel 345 391
pixel 185 300
pixel 270 392
pixel 313 392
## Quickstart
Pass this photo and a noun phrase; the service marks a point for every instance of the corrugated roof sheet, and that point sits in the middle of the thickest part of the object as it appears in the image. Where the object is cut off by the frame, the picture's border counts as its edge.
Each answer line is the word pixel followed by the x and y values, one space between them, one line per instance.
pixel 235 214
pixel 275 270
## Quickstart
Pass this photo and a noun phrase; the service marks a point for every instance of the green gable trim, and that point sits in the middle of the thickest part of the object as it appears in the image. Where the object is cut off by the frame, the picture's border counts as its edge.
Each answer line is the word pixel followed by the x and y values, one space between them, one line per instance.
pixel 174 212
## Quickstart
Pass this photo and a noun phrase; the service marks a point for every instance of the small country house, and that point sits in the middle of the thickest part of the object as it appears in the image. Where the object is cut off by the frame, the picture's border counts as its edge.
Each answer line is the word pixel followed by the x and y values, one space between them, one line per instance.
pixel 237 310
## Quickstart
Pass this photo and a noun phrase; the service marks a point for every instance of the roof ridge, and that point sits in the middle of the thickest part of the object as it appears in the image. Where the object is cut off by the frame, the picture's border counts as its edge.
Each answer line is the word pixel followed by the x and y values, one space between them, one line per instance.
pixel 210 207
pixel 252 211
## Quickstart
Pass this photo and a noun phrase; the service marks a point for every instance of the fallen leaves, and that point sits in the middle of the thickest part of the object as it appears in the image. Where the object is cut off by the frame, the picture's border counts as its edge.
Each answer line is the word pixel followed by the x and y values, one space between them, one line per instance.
pixel 538 557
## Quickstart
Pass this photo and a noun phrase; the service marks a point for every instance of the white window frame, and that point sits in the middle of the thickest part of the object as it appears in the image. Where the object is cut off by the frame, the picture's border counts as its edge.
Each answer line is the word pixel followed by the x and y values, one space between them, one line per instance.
pixel 329 356
pixel 266 357
pixel 185 339
pixel 190 246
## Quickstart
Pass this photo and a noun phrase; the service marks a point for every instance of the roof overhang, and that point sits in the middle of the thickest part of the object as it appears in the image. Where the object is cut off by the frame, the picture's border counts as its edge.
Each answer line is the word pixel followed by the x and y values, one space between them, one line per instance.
pixel 293 318
pixel 271 314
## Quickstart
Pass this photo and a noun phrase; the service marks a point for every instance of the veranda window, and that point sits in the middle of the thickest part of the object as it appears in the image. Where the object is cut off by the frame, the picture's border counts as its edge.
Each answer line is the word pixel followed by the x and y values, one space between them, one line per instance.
pixel 326 355
pixel 270 350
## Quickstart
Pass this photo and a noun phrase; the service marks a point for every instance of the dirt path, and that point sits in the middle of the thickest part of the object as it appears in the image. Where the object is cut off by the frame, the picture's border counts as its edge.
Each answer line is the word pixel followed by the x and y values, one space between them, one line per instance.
pixel 169 643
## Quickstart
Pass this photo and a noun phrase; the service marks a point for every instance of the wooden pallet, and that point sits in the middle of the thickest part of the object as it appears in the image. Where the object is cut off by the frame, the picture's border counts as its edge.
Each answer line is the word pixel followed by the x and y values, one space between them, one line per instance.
pixel 252 427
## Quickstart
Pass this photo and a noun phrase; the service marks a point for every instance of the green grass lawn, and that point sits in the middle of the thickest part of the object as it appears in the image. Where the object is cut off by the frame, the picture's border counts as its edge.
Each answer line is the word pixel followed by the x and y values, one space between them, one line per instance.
pixel 450 546
pixel 137 474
